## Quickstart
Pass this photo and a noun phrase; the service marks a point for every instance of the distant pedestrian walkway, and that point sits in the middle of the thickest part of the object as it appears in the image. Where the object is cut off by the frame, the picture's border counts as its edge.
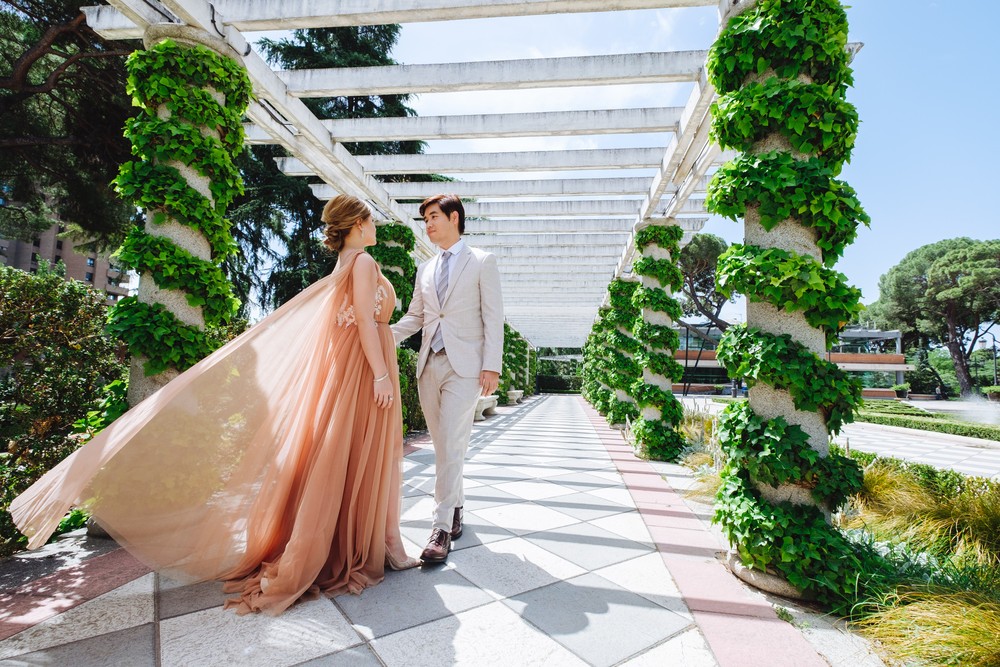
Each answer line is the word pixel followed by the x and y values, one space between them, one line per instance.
pixel 971 456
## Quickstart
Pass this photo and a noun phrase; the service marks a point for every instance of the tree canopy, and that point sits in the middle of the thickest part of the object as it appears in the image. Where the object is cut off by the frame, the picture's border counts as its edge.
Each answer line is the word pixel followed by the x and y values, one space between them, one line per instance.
pixel 945 293
pixel 698 261
pixel 286 205
pixel 62 109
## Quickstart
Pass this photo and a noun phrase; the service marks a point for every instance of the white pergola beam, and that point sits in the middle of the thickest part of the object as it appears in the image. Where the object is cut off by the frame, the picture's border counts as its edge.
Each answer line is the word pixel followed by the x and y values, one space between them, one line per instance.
pixel 606 208
pixel 562 267
pixel 526 188
pixel 528 281
pixel 559 240
pixel 487 242
pixel 254 15
pixel 474 228
pixel 276 110
pixel 618 69
pixel 491 126
pixel 512 161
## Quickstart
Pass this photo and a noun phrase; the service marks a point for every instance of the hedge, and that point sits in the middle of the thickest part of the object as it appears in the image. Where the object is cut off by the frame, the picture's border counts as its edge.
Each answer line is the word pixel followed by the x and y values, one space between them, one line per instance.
pixel 984 431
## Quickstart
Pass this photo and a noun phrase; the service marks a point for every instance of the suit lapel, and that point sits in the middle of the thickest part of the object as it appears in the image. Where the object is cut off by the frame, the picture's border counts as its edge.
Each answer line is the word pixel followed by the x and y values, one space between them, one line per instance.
pixel 461 261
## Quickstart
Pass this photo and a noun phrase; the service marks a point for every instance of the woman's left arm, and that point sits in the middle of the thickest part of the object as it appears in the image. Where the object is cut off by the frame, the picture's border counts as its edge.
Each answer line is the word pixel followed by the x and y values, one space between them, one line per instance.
pixel 365 279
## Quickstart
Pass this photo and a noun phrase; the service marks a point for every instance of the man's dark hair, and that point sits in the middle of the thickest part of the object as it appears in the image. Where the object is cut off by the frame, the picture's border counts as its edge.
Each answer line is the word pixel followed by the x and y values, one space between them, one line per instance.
pixel 448 205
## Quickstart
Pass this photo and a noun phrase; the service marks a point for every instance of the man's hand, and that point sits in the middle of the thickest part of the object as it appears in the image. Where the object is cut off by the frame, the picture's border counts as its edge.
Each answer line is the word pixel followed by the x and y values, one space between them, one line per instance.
pixel 489 380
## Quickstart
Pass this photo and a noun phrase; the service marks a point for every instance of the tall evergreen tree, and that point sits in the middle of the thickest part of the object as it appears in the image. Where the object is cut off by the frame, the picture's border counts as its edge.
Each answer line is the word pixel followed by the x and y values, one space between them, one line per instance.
pixel 698 262
pixel 62 109
pixel 947 293
pixel 289 201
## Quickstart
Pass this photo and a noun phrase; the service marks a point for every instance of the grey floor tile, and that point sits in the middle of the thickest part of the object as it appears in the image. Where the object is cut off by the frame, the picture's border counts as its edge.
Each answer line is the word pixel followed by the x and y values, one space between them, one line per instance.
pixel 132 647
pixel 588 546
pixel 127 606
pixel 212 637
pixel 176 599
pixel 512 566
pixel 415 597
pixel 597 620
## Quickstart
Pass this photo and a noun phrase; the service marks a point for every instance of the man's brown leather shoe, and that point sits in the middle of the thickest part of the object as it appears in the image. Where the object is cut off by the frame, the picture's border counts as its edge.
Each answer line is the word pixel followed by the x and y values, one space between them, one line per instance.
pixel 438 547
pixel 456 524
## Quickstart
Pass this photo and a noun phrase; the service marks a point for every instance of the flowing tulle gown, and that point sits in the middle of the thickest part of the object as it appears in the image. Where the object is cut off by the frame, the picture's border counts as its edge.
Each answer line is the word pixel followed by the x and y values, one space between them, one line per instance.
pixel 267 464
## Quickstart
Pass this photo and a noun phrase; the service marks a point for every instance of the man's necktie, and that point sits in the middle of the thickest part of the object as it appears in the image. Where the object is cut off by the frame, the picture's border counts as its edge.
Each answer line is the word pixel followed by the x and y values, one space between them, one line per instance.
pixel 437 344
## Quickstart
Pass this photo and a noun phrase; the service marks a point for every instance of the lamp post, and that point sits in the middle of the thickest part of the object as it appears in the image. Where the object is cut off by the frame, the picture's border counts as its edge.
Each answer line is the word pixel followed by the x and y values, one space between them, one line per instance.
pixel 982 342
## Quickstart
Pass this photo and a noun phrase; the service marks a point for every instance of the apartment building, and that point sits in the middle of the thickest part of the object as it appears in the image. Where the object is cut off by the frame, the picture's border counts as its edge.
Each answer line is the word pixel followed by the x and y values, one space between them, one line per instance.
pixel 89 267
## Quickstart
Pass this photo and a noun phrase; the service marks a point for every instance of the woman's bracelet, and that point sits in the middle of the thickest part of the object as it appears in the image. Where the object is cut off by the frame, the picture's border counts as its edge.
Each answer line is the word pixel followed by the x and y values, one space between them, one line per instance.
pixel 383 377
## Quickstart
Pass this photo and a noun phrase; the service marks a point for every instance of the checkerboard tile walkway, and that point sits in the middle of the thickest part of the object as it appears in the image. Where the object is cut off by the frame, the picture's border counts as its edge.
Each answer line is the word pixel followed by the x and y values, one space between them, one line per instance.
pixel 574 553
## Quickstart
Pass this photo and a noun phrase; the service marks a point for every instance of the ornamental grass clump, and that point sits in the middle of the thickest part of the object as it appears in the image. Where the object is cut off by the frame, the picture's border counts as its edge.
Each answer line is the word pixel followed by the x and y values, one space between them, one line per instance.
pixel 933 626
pixel 897 505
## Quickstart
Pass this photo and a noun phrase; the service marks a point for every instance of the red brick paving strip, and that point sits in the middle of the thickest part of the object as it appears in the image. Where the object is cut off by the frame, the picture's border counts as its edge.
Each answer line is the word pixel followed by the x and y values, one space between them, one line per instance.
pixel 741 630
pixel 60 591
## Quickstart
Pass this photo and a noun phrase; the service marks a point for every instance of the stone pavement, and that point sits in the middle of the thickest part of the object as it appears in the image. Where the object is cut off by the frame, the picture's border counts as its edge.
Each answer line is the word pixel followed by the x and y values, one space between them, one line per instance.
pixel 574 553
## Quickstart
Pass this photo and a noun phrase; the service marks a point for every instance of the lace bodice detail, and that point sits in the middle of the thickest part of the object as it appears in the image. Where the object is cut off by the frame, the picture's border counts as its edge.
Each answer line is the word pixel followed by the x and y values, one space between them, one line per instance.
pixel 385 303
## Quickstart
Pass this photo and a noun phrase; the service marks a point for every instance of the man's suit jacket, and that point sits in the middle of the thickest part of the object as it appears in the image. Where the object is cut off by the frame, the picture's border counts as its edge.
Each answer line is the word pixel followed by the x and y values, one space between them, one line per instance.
pixel 470 316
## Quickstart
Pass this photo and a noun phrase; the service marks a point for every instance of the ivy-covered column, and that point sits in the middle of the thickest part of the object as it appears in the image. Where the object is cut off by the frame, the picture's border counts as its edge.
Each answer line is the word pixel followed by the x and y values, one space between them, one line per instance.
pixel 595 362
pixel 192 93
pixel 392 252
pixel 655 431
pixel 781 70
pixel 515 357
pixel 621 351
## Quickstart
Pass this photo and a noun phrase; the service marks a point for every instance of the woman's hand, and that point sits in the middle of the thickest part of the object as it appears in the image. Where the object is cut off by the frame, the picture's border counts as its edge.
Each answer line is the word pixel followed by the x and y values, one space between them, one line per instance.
pixel 383 392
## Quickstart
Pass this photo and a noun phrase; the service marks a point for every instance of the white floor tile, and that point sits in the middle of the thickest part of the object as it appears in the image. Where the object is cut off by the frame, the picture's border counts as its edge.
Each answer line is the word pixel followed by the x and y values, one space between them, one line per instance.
pixel 488 636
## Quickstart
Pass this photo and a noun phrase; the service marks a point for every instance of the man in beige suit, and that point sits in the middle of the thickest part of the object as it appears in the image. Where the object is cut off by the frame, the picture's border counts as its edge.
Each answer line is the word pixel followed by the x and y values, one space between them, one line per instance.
pixel 457 304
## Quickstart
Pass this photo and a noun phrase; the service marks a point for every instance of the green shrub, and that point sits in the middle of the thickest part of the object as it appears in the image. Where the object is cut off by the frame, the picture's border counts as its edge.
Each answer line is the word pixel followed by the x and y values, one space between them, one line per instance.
pixel 897 408
pixel 413 416
pixel 56 359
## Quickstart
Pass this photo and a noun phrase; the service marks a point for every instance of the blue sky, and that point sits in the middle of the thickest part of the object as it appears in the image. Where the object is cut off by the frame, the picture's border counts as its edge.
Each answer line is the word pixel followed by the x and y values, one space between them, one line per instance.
pixel 926 88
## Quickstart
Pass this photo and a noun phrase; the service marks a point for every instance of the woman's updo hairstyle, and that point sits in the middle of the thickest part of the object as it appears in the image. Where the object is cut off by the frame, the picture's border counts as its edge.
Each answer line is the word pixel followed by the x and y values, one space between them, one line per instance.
pixel 339 215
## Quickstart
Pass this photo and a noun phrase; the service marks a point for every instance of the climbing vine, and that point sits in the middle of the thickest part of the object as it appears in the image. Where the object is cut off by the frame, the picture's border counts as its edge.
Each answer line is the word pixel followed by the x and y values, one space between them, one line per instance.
pixel 777 186
pixel 392 252
pixel 781 69
pixel 657 437
pixel 205 94
pixel 515 364
pixel 611 364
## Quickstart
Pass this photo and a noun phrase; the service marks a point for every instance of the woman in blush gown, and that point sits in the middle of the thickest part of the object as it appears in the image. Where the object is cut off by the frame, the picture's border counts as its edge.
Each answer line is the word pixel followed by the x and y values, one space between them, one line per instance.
pixel 274 464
